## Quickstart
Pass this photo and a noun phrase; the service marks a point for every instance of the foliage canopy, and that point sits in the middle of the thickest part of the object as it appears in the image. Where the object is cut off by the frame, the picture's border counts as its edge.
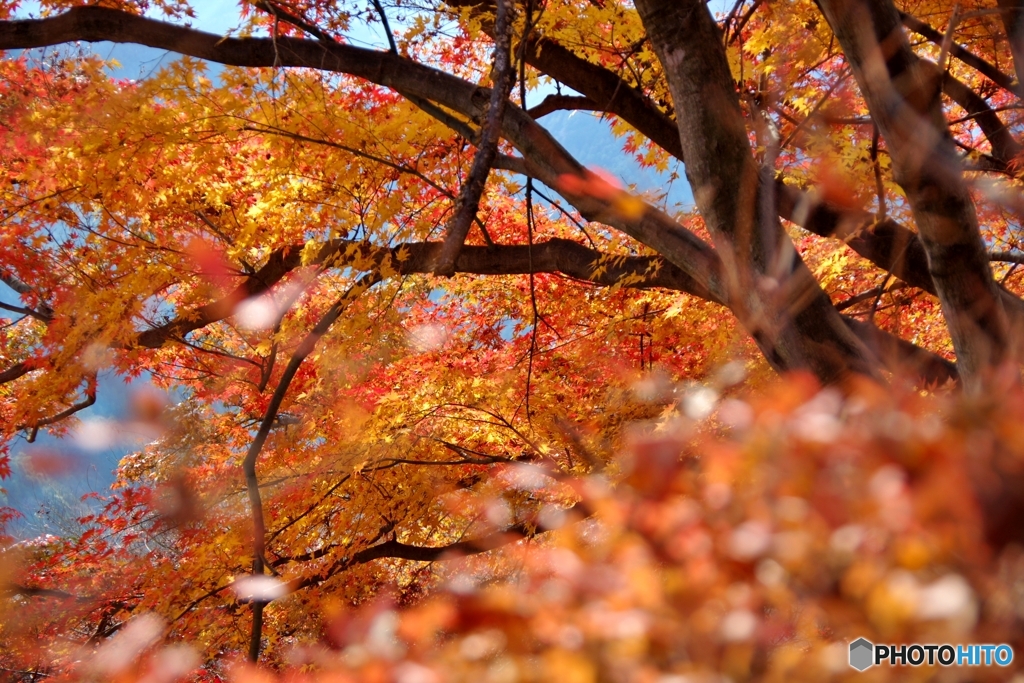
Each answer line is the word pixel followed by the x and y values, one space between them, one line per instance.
pixel 406 325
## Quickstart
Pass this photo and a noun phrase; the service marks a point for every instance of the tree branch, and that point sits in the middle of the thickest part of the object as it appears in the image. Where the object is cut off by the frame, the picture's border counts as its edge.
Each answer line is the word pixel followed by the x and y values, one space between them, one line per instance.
pixel 902 93
pixel 14 372
pixel 279 13
pixel 902 357
pixel 554 256
pixel 401 551
pixel 1007 256
pixel 32 313
pixel 792 320
pixel 1004 146
pixel 90 399
pixel 970 59
pixel 300 354
pixel 553 103
pixel 473 187
pixel 1012 14
pixel 543 156
pixel 14 283
pixel 886 244
pixel 36 592
pixel 558 256
pixel 387 26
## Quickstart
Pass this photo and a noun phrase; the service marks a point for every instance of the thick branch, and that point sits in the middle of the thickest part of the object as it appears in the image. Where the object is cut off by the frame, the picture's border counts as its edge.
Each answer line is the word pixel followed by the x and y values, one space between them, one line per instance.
pixel 903 358
pixel 14 372
pixel 1012 13
pixel 886 243
pixel 553 103
pixel 889 245
pixel 14 283
pixel 280 263
pixel 970 59
pixel 902 93
pixel 775 296
pixel 1007 256
pixel 545 158
pixel 1004 146
pixel 44 313
pixel 542 155
pixel 555 256
pixel 403 551
pixel 394 549
pixel 36 592
pixel 559 256
pixel 23 310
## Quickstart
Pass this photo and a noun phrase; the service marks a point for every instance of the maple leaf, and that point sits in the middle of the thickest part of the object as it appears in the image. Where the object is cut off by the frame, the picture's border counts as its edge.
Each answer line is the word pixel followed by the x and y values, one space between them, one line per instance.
pixel 358 464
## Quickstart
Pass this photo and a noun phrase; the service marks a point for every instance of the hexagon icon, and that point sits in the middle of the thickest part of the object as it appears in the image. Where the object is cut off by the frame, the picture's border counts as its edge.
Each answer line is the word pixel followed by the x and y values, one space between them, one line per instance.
pixel 861 654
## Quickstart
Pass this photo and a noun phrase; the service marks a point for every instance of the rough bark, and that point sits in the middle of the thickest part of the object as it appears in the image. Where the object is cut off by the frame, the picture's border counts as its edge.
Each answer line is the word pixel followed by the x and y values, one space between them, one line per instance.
pixel 902 93
pixel 884 245
pixel 776 297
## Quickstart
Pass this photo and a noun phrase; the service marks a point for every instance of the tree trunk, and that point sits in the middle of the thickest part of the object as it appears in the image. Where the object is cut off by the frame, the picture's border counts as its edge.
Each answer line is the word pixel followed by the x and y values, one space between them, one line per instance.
pixel 1012 12
pixel 771 290
pixel 902 93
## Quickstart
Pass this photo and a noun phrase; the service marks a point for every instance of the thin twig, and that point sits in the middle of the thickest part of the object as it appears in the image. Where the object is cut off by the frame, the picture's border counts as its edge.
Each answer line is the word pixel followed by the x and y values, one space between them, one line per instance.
pixel 352 150
pixel 729 18
pixel 298 22
pixel 984 67
pixel 24 310
pixel 582 228
pixel 878 297
pixel 858 298
pixel 743 21
pixel 814 111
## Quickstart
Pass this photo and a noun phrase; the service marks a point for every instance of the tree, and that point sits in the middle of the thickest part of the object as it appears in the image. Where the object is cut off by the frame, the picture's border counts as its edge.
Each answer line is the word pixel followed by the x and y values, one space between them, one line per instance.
pixel 354 265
